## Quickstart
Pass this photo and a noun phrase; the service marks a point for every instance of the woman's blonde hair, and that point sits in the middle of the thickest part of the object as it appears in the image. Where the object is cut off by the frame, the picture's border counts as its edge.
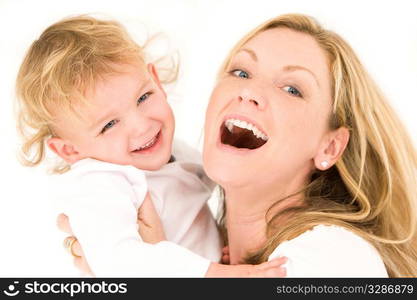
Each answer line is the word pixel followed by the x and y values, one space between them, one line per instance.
pixel 65 61
pixel 372 189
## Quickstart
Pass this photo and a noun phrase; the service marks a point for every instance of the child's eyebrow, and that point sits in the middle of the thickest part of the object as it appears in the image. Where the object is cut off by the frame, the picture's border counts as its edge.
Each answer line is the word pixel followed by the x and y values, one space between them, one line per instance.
pixel 141 87
pixel 106 116
pixel 101 120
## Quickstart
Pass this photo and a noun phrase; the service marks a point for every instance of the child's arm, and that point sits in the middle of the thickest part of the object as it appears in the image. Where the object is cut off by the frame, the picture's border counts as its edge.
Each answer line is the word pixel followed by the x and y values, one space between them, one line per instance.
pixel 152 231
pixel 104 219
pixel 273 268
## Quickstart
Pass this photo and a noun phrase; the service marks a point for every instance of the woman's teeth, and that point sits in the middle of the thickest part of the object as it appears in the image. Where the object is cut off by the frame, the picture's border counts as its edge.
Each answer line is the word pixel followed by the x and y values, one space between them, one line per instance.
pixel 230 123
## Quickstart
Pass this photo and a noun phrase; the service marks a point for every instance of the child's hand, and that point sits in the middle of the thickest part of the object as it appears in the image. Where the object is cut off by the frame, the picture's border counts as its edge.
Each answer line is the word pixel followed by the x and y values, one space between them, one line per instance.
pixel 272 268
pixel 150 225
pixel 225 255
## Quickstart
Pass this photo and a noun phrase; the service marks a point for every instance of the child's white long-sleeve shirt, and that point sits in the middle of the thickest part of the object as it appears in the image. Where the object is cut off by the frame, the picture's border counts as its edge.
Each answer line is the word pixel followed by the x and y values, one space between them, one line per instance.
pixel 102 199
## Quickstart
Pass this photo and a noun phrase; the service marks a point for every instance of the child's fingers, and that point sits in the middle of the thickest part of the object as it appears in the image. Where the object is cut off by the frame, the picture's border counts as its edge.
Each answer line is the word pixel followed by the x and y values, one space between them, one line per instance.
pixel 63 224
pixel 277 261
pixel 226 259
pixel 273 268
pixel 275 272
pixel 274 263
pixel 225 255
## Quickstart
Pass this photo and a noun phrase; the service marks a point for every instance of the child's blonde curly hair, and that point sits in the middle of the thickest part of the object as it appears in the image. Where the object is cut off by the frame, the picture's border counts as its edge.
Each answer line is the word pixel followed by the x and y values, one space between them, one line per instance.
pixel 60 66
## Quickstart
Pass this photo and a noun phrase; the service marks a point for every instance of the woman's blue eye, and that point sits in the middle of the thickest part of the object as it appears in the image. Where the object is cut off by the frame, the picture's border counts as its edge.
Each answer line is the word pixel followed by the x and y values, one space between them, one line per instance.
pixel 143 97
pixel 109 125
pixel 293 91
pixel 240 73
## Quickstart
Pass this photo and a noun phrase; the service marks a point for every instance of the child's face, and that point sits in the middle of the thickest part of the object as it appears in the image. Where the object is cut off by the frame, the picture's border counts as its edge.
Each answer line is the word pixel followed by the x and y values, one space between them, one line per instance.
pixel 127 121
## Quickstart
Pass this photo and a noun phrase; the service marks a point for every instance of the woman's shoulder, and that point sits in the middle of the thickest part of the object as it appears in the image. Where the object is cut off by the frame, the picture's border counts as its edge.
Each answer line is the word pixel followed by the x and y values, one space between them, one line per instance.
pixel 330 251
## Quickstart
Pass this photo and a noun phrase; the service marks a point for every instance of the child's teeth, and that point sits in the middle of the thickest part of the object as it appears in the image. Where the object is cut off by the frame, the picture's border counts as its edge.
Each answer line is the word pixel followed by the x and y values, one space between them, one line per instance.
pixel 148 144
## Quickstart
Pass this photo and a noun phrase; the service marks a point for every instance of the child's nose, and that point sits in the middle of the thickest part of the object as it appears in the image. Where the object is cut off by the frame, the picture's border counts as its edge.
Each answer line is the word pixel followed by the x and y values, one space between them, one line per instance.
pixel 138 125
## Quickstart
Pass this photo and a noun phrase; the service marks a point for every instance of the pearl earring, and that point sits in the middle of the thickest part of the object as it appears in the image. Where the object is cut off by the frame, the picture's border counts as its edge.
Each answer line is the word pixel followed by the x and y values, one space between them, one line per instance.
pixel 324 164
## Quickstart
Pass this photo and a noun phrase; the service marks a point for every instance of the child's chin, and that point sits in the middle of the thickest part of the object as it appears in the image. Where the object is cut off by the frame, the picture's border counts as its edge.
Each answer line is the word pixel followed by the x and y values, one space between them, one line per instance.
pixel 154 164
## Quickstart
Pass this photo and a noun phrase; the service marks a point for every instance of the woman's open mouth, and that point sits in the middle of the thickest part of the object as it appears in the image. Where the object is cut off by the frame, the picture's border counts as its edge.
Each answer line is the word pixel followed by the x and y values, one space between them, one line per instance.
pixel 241 134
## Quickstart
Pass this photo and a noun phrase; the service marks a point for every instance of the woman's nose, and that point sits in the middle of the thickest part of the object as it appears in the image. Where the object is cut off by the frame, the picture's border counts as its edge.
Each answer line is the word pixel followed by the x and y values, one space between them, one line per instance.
pixel 253 98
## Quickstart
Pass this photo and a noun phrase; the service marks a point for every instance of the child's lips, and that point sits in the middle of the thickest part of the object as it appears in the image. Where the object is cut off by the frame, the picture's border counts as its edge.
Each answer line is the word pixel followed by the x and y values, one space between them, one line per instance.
pixel 148 146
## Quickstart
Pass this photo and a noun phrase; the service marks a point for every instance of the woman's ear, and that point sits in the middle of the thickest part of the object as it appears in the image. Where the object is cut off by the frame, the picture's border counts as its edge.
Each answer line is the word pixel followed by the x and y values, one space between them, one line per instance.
pixel 64 149
pixel 332 148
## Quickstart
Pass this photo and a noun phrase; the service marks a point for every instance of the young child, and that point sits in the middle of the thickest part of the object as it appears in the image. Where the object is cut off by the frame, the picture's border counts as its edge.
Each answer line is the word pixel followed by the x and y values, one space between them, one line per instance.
pixel 86 92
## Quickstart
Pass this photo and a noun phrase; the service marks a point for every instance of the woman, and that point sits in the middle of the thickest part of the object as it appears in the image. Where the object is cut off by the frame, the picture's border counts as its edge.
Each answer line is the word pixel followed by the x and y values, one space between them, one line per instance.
pixel 313 163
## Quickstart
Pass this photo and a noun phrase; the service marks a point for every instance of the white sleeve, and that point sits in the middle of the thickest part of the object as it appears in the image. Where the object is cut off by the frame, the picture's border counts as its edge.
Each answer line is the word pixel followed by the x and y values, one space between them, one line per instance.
pixel 330 251
pixel 103 217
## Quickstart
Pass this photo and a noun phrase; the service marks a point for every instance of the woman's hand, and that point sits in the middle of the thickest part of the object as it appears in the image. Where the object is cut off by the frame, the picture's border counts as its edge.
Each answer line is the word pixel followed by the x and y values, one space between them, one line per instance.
pixel 76 250
pixel 150 225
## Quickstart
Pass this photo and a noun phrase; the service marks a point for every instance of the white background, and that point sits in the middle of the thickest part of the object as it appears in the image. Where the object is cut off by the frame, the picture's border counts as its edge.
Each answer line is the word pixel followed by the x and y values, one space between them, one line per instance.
pixel 384 34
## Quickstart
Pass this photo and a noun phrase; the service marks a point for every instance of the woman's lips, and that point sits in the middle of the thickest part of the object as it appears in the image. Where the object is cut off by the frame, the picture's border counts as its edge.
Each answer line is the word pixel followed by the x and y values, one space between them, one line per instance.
pixel 241 133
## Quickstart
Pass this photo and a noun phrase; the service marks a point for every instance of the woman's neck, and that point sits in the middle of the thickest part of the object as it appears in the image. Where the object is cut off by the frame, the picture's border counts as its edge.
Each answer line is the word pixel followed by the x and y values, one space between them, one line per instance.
pixel 246 217
pixel 246 233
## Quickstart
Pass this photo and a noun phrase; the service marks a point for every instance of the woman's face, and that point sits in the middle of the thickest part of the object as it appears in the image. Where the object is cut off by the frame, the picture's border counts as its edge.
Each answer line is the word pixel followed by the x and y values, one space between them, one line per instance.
pixel 269 111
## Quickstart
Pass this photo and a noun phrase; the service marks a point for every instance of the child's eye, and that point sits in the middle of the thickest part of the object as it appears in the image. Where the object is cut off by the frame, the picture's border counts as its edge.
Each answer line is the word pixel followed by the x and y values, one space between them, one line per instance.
pixel 108 126
pixel 143 97
pixel 292 91
pixel 240 73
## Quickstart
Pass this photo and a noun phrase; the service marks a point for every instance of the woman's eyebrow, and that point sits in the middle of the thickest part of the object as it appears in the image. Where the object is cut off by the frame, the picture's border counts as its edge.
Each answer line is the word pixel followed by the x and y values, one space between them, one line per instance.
pixel 288 68
pixel 250 52
pixel 291 68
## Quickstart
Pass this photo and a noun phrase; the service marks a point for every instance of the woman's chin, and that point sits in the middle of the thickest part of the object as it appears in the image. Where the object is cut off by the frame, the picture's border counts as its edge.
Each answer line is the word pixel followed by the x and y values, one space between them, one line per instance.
pixel 227 173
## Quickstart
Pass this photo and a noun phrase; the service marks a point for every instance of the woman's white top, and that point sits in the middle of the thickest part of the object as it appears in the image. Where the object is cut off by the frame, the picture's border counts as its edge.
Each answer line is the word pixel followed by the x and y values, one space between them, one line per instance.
pixel 102 199
pixel 330 251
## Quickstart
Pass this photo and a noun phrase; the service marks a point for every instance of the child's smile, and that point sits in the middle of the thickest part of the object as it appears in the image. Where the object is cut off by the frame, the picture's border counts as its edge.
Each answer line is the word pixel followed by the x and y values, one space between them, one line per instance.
pixel 126 121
